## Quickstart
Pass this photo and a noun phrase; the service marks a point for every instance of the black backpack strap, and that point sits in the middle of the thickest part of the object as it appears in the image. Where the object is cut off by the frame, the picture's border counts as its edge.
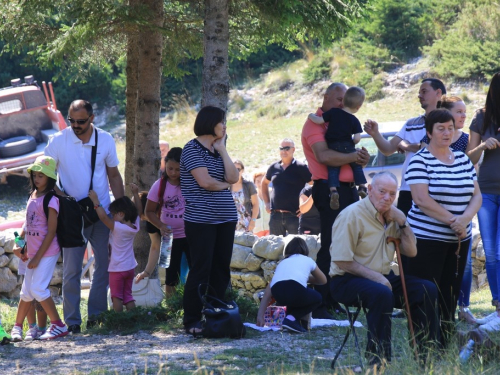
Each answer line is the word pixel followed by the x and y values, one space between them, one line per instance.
pixel 94 156
pixel 46 201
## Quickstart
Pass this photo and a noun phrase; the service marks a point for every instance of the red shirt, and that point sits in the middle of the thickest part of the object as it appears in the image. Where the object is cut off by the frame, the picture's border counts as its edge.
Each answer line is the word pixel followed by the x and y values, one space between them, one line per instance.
pixel 313 133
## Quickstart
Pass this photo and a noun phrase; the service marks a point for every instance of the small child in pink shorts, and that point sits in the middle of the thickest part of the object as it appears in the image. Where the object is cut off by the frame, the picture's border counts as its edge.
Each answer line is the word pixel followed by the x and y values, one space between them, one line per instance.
pixel 123 226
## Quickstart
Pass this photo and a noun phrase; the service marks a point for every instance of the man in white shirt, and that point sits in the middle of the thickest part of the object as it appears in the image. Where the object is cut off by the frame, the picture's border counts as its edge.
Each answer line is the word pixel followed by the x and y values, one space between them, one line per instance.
pixel 71 148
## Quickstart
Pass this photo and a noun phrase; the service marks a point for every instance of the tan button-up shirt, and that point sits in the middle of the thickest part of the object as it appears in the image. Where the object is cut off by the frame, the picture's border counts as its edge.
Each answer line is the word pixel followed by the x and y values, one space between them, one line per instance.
pixel 358 235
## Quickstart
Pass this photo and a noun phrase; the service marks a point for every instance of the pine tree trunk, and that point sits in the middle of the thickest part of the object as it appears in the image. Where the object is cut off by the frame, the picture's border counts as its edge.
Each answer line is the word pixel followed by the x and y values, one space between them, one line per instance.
pixel 147 152
pixel 215 82
pixel 131 95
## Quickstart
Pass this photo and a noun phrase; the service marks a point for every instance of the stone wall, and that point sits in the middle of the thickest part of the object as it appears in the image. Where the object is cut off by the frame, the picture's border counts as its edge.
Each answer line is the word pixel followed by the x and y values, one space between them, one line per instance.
pixel 10 281
pixel 252 265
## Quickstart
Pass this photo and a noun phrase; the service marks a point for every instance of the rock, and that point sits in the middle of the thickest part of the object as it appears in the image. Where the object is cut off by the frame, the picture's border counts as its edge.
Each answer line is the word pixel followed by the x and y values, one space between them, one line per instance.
pixel 14 263
pixel 479 253
pixel 4 260
pixel 482 280
pixel 253 262
pixel 269 247
pixel 8 281
pixel 240 254
pixel 54 291
pixel 8 246
pixel 476 236
pixel 249 280
pixel 269 266
pixel 14 293
pixel 57 276
pixel 245 238
pixel 1 250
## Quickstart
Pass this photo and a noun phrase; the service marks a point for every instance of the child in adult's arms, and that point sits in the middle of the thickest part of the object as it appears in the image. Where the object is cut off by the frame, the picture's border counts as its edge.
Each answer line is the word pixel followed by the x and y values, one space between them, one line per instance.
pixel 123 226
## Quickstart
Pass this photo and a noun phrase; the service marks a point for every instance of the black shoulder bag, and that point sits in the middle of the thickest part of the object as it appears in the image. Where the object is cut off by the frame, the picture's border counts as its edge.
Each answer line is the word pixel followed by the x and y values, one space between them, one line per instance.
pixel 90 216
pixel 221 319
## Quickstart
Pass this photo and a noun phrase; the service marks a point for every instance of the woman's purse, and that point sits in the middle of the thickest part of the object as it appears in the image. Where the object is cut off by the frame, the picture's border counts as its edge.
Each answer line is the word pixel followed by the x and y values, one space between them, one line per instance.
pixel 147 293
pixel 221 319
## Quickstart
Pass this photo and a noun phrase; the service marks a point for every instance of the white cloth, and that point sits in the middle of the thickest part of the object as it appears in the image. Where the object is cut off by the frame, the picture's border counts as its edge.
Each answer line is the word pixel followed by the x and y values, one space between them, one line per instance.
pixel 314 323
pixel 412 131
pixel 73 160
pixel 297 267
pixel 36 280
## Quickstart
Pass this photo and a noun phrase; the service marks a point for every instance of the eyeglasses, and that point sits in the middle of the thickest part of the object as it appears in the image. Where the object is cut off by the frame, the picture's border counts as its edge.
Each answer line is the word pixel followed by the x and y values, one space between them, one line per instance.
pixel 239 169
pixel 79 122
pixel 286 148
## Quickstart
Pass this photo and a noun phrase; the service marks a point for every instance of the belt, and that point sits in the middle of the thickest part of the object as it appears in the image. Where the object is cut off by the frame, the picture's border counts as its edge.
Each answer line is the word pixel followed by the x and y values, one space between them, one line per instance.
pixel 281 211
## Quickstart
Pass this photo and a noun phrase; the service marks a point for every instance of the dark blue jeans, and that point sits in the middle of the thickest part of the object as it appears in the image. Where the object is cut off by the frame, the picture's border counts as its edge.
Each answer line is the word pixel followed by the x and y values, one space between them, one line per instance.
pixel 333 172
pixel 283 223
pixel 489 221
pixel 379 300
pixel 464 296
pixel 298 299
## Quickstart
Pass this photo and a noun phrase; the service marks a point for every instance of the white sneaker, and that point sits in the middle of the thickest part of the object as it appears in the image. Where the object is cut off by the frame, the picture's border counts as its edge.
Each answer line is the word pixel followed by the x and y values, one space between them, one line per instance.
pixel 487 318
pixel 54 332
pixel 32 334
pixel 492 326
pixel 16 334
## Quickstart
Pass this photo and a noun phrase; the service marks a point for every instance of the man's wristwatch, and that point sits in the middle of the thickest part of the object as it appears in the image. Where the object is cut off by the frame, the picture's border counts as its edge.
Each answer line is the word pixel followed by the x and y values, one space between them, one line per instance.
pixel 254 219
pixel 404 225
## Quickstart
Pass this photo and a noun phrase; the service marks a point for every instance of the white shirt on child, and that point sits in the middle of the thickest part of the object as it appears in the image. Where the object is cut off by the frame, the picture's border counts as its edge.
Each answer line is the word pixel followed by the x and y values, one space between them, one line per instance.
pixel 296 267
pixel 121 247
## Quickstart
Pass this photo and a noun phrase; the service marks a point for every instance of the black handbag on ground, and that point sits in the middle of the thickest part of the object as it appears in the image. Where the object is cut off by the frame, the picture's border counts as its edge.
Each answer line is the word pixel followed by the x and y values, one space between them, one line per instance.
pixel 87 206
pixel 221 319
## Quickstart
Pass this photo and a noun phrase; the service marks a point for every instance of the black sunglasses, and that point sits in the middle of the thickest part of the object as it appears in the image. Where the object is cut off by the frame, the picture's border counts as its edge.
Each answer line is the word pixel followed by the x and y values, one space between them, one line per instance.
pixel 286 148
pixel 79 122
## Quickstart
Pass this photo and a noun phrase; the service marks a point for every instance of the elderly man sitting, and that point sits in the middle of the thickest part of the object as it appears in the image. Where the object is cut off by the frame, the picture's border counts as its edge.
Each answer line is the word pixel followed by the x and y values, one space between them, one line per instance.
pixel 361 273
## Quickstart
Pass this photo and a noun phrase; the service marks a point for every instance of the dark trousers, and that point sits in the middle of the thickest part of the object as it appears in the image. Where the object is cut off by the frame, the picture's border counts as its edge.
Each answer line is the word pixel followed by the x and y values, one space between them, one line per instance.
pixel 210 249
pixel 179 246
pixel 405 202
pixel 379 300
pixel 344 147
pixel 436 261
pixel 321 196
pixel 283 223
pixel 298 299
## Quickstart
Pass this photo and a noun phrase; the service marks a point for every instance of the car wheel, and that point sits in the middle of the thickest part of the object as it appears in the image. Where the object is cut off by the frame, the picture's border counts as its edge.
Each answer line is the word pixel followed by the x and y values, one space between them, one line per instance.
pixel 17 146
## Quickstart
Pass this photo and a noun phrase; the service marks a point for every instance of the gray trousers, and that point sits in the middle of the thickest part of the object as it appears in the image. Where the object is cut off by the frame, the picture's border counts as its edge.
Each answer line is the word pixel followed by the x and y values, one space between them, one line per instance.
pixel 98 235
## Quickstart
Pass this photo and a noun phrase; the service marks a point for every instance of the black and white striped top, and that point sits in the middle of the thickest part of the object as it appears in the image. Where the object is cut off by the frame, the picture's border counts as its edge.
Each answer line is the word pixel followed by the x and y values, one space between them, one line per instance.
pixel 450 185
pixel 204 206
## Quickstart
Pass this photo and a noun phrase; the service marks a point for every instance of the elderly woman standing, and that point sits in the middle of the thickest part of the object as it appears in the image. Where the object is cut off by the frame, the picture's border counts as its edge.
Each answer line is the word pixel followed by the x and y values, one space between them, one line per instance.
pixel 445 197
pixel 207 173
pixel 484 137
pixel 246 200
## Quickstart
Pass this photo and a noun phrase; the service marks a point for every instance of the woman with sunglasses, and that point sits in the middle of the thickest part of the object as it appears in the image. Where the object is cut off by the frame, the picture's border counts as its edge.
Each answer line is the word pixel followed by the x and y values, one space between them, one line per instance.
pixel 246 200
pixel 207 173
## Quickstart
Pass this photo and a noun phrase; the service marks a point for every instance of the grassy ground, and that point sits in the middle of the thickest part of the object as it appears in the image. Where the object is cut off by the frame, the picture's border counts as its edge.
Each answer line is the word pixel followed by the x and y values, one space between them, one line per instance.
pixel 275 353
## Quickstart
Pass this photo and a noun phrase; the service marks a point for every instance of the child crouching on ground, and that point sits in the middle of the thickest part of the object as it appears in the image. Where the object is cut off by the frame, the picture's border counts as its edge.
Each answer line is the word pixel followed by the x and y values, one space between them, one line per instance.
pixel 289 286
pixel 123 226
pixel 42 249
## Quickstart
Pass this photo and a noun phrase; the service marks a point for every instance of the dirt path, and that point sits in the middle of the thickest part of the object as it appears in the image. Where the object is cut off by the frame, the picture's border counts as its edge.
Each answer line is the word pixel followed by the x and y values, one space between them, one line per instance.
pixel 173 352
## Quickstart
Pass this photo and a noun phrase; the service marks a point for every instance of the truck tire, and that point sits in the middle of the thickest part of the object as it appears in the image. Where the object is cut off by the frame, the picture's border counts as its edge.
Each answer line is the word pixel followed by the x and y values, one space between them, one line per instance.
pixel 16 146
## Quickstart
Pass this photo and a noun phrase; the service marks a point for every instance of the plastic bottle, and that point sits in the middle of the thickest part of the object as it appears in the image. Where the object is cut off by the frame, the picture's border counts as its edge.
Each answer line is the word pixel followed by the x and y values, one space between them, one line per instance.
pixel 166 249
pixel 466 352
pixel 20 242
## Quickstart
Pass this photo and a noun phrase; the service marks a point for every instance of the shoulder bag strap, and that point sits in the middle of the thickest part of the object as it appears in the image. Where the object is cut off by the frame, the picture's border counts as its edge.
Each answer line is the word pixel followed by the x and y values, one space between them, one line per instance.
pixel 94 156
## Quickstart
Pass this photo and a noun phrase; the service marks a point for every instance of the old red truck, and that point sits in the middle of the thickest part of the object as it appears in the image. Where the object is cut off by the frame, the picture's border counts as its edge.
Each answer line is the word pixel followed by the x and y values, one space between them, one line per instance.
pixel 28 118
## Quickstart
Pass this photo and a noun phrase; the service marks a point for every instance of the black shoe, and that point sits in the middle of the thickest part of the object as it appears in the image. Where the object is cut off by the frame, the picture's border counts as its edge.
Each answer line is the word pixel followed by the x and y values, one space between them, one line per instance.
pixel 293 326
pixel 74 329
pixel 322 313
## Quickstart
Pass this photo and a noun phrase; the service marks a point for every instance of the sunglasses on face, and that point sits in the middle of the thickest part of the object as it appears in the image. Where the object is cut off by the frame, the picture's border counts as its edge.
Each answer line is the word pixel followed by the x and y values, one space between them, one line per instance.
pixel 286 148
pixel 79 122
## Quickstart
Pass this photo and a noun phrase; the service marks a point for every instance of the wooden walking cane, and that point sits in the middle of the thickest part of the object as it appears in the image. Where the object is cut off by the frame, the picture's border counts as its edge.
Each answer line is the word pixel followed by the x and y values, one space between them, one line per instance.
pixel 397 241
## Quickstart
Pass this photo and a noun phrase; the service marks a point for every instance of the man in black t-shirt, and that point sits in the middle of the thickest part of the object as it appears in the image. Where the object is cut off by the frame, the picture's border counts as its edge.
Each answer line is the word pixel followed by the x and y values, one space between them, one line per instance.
pixel 288 177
